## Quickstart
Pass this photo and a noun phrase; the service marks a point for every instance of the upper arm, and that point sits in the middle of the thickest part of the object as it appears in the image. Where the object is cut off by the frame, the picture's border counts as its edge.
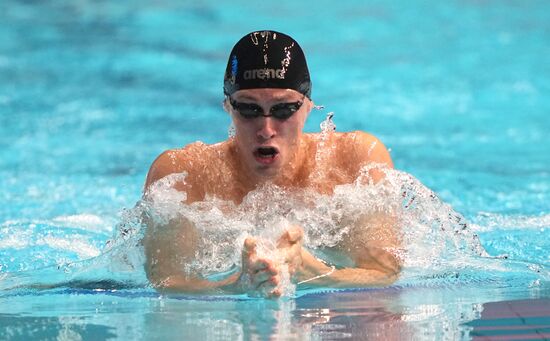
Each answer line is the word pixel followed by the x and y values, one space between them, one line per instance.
pixel 370 150
pixel 169 245
pixel 375 236
pixel 169 162
pixel 168 248
pixel 186 160
pixel 374 242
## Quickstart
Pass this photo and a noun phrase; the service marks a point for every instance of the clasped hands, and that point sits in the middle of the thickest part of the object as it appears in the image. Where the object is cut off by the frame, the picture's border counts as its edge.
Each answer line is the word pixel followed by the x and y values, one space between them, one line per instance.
pixel 261 276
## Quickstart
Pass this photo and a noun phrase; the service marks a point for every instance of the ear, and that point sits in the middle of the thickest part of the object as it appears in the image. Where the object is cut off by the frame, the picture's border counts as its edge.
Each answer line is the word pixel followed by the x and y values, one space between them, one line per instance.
pixel 226 105
pixel 309 106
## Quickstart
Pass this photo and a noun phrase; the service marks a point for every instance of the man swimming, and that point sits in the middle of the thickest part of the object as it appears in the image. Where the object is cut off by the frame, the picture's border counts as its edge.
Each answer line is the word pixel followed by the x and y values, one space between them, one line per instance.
pixel 267 91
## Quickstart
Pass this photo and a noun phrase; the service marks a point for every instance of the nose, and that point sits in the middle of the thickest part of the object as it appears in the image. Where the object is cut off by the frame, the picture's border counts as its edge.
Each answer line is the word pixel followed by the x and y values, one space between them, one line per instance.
pixel 266 129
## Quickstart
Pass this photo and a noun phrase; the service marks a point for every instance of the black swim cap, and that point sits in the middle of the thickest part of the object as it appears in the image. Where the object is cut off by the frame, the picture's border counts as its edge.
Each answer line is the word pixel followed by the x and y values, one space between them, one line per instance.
pixel 267 59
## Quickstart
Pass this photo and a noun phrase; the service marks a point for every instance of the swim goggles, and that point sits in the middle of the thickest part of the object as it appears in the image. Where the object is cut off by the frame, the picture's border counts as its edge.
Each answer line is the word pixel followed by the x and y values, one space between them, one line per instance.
pixel 281 111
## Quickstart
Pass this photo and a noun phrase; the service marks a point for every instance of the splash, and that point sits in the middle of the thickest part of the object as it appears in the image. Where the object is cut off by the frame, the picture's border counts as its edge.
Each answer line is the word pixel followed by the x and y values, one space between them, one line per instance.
pixel 436 244
pixel 435 241
pixel 328 126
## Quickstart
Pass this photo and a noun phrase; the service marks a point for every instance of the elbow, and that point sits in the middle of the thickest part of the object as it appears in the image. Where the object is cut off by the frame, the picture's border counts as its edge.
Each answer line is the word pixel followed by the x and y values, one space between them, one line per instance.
pixel 159 283
pixel 392 274
pixel 162 282
pixel 386 277
pixel 392 268
pixel 387 266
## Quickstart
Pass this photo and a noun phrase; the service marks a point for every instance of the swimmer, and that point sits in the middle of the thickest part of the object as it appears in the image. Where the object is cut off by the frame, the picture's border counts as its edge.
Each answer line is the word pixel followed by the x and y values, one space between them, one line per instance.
pixel 267 90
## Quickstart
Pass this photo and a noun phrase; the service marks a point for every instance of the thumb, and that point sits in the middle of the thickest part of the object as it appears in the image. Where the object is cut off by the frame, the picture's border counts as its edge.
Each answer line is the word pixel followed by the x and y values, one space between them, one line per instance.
pixel 295 233
pixel 249 247
pixel 292 235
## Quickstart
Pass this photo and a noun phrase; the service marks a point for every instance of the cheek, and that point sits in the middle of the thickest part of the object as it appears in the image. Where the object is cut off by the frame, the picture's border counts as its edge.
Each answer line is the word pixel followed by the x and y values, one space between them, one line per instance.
pixel 301 121
pixel 244 136
pixel 240 128
pixel 291 137
pixel 297 127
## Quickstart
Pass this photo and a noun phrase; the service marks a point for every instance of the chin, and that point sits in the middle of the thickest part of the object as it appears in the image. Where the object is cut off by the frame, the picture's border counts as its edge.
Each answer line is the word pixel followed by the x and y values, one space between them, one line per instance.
pixel 267 173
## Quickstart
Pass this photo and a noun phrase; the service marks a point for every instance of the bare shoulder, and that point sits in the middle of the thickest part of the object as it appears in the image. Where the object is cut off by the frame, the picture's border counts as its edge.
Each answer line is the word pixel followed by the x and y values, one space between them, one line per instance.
pixel 175 161
pixel 358 149
pixel 366 148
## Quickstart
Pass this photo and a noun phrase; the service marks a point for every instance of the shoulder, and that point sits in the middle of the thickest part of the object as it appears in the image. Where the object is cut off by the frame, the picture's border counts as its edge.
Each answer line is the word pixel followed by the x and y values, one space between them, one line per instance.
pixel 360 149
pixel 366 148
pixel 175 161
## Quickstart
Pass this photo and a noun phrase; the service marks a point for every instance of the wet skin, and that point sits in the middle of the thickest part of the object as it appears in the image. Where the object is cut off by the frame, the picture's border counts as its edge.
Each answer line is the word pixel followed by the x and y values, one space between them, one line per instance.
pixel 269 150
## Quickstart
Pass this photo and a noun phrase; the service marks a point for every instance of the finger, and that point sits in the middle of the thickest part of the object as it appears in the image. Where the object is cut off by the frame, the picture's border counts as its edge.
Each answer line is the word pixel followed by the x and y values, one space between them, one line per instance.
pixel 295 233
pixel 292 235
pixel 258 265
pixel 249 250
pixel 262 264
pixel 268 288
pixel 249 245
pixel 262 277
pixel 275 293
pixel 269 284
pixel 284 240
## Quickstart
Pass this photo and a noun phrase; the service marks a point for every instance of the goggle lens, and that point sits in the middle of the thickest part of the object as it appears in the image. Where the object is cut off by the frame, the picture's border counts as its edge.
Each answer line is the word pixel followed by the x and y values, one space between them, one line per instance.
pixel 281 111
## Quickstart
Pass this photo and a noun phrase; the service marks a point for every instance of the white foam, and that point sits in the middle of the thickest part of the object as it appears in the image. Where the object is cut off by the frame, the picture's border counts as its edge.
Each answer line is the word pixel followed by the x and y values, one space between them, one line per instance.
pixel 85 221
pixel 80 247
pixel 434 237
pixel 486 222
pixel 13 242
pixel 28 234
pixel 14 237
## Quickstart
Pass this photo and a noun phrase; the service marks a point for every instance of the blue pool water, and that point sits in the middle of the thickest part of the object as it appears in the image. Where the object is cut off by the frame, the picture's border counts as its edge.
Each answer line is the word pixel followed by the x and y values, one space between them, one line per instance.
pixel 92 92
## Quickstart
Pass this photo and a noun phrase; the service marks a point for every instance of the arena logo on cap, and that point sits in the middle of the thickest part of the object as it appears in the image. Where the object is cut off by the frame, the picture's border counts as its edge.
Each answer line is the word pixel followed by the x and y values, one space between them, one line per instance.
pixel 264 74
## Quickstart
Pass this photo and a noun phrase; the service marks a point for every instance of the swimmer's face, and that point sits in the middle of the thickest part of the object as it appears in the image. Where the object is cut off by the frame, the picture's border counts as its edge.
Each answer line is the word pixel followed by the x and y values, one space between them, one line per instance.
pixel 266 145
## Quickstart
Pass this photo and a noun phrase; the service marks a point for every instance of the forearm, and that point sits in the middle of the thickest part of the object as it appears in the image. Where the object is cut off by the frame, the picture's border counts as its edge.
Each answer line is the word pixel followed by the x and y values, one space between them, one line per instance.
pixel 351 278
pixel 369 245
pixel 168 249
pixel 184 284
pixel 315 273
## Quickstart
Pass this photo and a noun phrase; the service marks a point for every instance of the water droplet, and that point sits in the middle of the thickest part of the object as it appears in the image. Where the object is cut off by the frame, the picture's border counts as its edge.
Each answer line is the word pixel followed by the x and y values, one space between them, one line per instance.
pixel 328 126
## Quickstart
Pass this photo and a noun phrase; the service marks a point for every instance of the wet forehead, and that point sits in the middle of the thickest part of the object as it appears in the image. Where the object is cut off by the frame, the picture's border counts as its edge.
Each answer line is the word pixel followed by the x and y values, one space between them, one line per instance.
pixel 260 95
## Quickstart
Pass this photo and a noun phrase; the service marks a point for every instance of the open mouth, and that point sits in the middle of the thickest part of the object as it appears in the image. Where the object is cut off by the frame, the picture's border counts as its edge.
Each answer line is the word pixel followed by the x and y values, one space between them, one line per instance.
pixel 266 154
